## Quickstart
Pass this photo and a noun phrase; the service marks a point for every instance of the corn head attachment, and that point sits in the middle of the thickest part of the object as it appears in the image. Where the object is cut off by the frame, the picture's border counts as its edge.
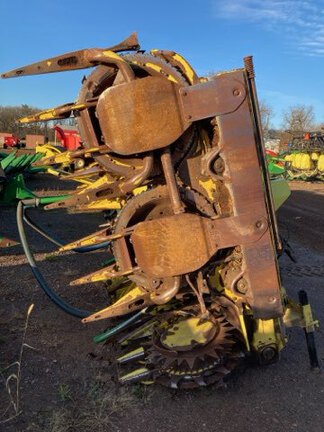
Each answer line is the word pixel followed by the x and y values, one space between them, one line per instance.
pixel 303 154
pixel 179 162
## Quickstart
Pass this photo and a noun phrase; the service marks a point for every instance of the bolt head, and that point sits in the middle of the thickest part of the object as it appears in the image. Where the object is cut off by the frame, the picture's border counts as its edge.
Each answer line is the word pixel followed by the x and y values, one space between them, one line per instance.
pixel 268 354
pixel 259 224
pixel 242 286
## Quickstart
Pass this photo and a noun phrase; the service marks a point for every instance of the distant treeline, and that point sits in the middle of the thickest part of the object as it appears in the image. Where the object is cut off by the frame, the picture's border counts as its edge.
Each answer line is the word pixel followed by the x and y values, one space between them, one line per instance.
pixel 10 114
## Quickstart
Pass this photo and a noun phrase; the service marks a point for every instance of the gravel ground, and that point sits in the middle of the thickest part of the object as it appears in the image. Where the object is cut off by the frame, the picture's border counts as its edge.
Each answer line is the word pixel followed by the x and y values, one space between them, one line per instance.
pixel 68 383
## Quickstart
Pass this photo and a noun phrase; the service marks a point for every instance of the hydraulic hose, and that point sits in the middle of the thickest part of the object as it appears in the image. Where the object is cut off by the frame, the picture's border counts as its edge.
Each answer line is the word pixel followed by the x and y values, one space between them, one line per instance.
pixel 66 307
pixel 103 337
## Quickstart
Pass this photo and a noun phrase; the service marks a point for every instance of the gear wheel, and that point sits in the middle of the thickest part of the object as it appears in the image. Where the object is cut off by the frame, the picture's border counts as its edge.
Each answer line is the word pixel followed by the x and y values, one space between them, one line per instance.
pixel 187 350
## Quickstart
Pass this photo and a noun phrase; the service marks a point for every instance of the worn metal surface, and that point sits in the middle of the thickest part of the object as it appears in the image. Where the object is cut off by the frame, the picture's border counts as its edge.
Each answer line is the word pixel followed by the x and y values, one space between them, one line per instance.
pixel 163 247
pixel 140 116
pixel 220 96
pixel 71 61
pixel 135 299
pixel 246 184
pixel 170 179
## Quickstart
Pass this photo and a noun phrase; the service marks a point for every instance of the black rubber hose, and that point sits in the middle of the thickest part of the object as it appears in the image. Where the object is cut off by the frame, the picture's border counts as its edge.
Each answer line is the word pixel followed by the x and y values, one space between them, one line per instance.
pixel 79 313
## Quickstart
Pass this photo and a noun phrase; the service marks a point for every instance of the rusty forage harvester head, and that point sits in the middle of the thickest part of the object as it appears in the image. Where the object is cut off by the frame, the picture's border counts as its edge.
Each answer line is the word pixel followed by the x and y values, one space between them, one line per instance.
pixel 178 162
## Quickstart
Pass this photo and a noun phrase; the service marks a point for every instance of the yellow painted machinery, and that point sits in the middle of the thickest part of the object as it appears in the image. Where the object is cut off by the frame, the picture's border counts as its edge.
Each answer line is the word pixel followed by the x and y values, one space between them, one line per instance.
pixel 304 155
pixel 179 162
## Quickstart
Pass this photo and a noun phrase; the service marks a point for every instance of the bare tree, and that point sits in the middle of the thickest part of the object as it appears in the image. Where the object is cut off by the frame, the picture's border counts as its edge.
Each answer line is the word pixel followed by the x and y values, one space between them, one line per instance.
pixel 299 118
pixel 266 114
pixel 8 121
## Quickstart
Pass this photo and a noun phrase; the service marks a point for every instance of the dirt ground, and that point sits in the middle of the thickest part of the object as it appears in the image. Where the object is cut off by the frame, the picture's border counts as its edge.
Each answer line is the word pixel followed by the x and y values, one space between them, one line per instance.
pixel 67 383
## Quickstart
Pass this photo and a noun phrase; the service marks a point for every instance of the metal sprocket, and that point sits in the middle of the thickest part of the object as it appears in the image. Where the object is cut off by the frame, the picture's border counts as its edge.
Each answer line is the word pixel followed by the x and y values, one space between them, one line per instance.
pixel 214 350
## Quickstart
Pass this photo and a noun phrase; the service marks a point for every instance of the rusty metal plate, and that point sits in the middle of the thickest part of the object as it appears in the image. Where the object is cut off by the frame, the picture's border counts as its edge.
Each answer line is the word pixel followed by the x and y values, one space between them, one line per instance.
pixel 171 246
pixel 141 115
pixel 220 96
pixel 180 244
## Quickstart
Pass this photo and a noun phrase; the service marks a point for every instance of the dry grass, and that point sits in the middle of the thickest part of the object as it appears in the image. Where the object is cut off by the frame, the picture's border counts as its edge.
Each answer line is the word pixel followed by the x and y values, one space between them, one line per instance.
pixel 11 376
pixel 98 407
pixel 99 411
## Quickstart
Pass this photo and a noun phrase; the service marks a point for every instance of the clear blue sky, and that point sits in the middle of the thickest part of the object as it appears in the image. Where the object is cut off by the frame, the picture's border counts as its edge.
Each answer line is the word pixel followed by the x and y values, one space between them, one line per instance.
pixel 286 39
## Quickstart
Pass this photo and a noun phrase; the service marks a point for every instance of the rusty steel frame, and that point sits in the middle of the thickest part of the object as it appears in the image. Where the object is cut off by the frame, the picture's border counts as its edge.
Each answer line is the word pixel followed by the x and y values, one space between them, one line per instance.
pixel 239 149
pixel 230 98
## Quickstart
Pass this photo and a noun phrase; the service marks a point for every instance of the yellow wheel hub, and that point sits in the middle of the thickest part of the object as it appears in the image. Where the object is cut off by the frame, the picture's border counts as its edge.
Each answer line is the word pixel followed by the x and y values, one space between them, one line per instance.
pixel 186 334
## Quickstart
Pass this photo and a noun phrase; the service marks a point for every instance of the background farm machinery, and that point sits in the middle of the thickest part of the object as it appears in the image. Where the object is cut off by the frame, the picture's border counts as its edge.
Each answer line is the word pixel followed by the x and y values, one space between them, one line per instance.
pixel 178 165
pixel 13 188
pixel 12 170
pixel 9 141
pixel 303 154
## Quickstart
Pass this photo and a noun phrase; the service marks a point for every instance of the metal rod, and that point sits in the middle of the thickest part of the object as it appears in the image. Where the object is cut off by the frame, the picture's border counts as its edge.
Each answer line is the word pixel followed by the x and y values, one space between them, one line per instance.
pixel 177 204
pixel 122 65
pixel 140 176
pixel 310 338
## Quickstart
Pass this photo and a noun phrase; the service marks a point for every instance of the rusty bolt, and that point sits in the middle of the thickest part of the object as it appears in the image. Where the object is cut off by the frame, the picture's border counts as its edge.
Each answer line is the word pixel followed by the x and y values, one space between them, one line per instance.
pixel 236 92
pixel 242 286
pixel 219 166
pixel 272 299
pixel 248 63
pixel 259 224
